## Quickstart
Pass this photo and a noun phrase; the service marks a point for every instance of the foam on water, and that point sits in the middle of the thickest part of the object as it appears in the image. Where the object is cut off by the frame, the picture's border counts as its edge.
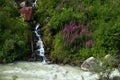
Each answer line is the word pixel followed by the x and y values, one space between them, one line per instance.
pixel 38 71
pixel 39 44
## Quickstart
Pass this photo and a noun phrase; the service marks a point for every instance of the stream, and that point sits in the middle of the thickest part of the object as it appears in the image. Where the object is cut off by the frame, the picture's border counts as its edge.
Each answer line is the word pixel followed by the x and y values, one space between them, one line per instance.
pixel 38 71
pixel 39 44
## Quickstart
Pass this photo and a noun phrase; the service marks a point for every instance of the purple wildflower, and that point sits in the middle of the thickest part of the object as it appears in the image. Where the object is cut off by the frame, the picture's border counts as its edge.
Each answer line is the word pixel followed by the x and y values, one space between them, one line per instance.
pixel 74 32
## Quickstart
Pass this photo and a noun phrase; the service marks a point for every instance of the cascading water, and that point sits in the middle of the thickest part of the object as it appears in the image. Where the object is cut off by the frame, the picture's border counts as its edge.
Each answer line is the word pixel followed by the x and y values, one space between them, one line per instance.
pixel 35 3
pixel 39 44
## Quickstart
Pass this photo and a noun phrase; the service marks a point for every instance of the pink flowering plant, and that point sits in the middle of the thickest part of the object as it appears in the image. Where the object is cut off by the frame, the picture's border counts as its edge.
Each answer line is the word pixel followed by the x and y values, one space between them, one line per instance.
pixel 77 36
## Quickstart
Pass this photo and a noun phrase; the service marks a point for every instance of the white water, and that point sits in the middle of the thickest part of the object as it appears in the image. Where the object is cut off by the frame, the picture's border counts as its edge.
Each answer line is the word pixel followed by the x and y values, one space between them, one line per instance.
pixel 40 51
pixel 38 71
pixel 34 4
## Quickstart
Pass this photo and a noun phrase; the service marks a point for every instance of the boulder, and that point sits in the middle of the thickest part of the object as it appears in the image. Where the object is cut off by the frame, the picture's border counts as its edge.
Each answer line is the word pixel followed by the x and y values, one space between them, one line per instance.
pixel 26 12
pixel 89 64
pixel 93 64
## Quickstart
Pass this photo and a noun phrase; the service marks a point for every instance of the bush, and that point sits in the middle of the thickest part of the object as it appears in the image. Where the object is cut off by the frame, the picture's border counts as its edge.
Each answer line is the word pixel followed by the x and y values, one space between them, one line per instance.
pixel 13 30
pixel 77 36
pixel 72 30
pixel 72 39
pixel 99 18
pixel 60 54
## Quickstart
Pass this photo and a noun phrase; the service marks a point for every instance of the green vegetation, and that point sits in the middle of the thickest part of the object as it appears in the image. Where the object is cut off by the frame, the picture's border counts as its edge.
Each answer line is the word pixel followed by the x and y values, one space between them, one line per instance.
pixel 92 29
pixel 100 18
pixel 13 33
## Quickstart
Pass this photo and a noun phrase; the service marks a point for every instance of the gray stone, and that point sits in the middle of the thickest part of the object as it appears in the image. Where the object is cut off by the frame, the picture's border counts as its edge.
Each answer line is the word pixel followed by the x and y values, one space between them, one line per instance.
pixel 22 4
pixel 89 64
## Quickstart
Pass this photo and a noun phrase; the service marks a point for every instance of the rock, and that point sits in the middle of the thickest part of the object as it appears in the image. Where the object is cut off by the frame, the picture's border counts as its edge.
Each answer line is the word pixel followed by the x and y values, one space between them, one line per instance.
pixel 89 64
pixel 109 59
pixel 22 4
pixel 26 12
pixel 93 64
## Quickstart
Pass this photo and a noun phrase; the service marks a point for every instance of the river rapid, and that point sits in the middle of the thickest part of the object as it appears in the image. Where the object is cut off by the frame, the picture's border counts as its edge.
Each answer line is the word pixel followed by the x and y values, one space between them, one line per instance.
pixel 40 71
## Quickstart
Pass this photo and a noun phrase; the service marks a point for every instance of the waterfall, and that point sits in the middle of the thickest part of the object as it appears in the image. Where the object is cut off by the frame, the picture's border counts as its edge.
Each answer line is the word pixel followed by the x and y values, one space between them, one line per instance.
pixel 39 44
pixel 35 3
pixel 40 51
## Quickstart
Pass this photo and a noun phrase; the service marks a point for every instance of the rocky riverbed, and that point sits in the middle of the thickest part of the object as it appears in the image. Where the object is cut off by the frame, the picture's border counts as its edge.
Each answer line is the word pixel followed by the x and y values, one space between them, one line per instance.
pixel 39 71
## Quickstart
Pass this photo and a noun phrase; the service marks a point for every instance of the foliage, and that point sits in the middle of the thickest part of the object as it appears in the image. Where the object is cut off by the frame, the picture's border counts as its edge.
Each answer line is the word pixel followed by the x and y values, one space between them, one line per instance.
pixel 57 54
pixel 76 36
pixel 106 68
pixel 99 17
pixel 59 13
pixel 61 22
pixel 13 33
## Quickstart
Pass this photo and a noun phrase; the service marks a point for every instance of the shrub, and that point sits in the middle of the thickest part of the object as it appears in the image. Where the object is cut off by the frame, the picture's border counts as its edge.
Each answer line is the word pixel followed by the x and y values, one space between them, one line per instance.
pixel 60 53
pixel 77 36
pixel 70 41
pixel 13 30
pixel 100 19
